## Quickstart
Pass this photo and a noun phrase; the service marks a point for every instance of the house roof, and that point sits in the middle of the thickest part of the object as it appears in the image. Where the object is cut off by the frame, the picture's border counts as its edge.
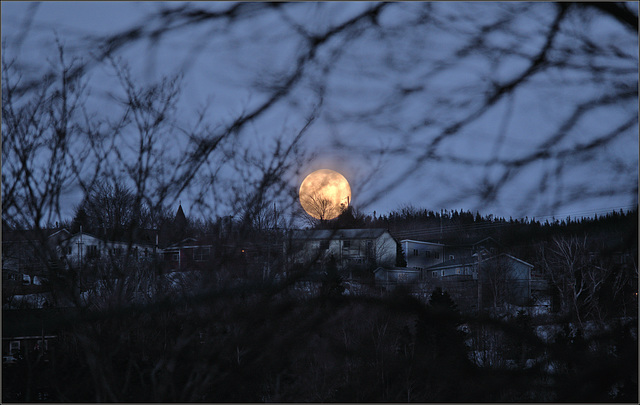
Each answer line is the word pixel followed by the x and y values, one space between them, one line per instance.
pixel 422 242
pixel 189 243
pixel 458 261
pixel 137 239
pixel 470 260
pixel 510 257
pixel 324 234
pixel 397 270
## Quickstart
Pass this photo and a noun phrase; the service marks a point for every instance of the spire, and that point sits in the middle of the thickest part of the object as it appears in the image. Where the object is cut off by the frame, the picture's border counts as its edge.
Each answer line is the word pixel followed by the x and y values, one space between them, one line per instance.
pixel 180 220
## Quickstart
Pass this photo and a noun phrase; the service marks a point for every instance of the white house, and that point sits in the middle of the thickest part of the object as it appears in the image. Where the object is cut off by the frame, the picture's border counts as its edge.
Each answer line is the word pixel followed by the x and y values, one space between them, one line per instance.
pixel 365 247
pixel 84 247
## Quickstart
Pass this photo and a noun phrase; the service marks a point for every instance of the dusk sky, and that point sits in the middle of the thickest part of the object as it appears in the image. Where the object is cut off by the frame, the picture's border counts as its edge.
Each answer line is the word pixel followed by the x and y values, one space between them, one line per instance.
pixel 407 107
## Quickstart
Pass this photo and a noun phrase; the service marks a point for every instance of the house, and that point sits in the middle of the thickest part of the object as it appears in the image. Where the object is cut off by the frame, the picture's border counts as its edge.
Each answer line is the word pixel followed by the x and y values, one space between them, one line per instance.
pixel 477 275
pixel 420 254
pixel 28 333
pixel 501 278
pixel 188 253
pixel 389 278
pixel 83 248
pixel 27 253
pixel 456 266
pixel 367 248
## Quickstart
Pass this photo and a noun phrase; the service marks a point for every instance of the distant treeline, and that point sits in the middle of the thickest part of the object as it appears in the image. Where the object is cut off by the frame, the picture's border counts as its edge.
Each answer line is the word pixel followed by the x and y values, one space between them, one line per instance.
pixel 615 231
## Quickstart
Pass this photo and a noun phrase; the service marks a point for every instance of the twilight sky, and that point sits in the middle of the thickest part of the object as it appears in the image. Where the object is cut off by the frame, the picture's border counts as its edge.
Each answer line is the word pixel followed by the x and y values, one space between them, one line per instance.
pixel 436 105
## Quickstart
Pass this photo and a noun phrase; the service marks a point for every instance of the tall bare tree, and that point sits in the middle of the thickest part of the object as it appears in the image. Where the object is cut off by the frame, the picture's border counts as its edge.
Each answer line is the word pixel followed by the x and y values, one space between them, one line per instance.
pixel 576 275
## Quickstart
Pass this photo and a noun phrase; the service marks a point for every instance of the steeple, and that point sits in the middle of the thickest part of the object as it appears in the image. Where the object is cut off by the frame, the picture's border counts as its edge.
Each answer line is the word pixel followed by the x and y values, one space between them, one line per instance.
pixel 180 221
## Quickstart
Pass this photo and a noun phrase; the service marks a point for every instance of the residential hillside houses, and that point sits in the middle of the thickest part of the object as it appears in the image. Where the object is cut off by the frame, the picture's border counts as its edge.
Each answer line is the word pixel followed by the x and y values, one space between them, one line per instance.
pixel 477 275
pixel 356 252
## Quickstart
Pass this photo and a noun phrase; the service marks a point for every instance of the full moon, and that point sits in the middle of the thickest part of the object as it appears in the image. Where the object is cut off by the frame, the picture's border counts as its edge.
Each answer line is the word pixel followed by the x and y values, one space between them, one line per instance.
pixel 324 194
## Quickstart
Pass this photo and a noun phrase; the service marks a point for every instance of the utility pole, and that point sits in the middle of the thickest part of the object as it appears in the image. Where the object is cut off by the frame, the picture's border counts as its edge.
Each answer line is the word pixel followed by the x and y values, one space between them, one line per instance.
pixel 79 243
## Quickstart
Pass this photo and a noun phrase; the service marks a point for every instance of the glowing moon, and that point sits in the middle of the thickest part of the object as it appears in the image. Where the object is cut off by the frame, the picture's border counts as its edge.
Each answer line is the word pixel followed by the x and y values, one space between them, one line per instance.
pixel 324 194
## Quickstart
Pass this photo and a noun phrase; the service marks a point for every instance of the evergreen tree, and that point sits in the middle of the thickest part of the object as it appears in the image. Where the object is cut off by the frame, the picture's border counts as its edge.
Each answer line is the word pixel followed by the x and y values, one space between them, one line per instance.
pixel 442 302
pixel 332 286
pixel 400 260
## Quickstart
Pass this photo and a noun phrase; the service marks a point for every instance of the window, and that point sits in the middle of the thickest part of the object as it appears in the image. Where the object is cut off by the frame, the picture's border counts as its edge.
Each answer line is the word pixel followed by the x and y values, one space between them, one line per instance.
pixel 402 277
pixel 14 346
pixel 175 256
pixel 451 257
pixel 43 345
pixel 434 274
pixel 442 273
pixel 117 251
pixel 458 270
pixel 92 251
pixel 415 252
pixel 324 245
pixel 427 253
pixel 346 244
pixel 201 254
pixel 436 255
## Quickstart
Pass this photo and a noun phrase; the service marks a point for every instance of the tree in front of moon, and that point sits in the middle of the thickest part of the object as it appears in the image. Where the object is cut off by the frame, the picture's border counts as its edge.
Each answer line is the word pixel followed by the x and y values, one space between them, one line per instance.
pixel 325 194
